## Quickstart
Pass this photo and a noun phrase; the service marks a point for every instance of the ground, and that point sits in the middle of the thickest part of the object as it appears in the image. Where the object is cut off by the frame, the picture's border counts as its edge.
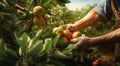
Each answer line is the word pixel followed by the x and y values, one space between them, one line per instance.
pixel 107 56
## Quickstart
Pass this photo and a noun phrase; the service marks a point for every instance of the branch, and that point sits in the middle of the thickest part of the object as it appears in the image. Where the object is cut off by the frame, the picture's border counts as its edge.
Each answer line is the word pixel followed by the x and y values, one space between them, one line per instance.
pixel 20 8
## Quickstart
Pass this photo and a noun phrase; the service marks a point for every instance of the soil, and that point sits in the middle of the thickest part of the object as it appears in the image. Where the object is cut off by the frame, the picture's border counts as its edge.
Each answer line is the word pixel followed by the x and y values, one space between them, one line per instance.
pixel 107 56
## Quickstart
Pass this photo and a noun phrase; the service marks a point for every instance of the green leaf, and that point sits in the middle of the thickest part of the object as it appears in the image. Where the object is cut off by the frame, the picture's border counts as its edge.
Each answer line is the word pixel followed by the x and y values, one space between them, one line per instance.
pixel 3 54
pixel 17 38
pixel 48 44
pixel 68 49
pixel 40 1
pixel 59 55
pixel 11 53
pixel 54 3
pixel 47 4
pixel 23 41
pixel 43 51
pixel 2 49
pixel 35 49
pixel 25 38
pixel 1 45
pixel 38 34
pixel 55 40
pixel 46 47
pixel 10 2
pixel 33 41
pixel 1 0
pixel 5 13
pixel 2 4
pixel 62 2
pixel 25 16
pixel 20 52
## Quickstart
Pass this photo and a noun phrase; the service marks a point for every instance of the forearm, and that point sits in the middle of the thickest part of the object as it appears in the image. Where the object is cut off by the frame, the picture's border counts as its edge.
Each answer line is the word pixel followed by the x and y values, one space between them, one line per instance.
pixel 110 38
pixel 91 18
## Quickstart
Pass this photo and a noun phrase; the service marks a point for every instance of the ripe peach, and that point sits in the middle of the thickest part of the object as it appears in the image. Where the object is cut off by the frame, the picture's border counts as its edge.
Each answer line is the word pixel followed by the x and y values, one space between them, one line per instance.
pixel 67 34
pixel 37 10
pixel 76 34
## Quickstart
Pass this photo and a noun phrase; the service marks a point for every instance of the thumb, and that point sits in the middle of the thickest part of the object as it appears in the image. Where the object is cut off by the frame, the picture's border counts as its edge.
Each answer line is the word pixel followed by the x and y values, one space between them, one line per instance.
pixel 75 40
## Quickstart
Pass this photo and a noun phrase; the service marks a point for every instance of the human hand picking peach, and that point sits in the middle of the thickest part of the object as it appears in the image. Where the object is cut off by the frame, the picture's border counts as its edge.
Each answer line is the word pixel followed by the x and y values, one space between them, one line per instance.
pixel 81 44
pixel 71 27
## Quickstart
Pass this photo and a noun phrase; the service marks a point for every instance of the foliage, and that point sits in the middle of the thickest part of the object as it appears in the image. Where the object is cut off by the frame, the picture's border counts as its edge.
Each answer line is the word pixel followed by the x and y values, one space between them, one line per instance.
pixel 23 43
pixel 34 51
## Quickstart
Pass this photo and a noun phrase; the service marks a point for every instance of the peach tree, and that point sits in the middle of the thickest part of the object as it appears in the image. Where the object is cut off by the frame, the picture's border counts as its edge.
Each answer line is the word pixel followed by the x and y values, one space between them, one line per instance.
pixel 26 37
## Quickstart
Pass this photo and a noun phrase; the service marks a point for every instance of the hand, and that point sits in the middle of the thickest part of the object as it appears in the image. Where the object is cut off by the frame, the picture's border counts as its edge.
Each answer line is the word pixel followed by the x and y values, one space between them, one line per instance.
pixel 82 43
pixel 70 27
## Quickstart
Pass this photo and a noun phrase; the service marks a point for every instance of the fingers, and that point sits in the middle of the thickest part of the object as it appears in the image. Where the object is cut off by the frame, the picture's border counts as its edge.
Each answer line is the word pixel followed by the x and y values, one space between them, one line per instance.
pixel 77 50
pixel 75 40
pixel 80 45
pixel 69 27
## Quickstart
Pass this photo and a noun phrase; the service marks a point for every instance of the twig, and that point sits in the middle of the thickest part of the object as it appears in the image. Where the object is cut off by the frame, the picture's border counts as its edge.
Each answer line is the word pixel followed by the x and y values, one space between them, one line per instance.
pixel 21 10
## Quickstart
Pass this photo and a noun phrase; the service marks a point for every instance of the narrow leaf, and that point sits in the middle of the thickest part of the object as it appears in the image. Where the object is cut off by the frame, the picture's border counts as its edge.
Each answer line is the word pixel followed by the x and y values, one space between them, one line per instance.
pixel 68 49
pixel 48 44
pixel 55 40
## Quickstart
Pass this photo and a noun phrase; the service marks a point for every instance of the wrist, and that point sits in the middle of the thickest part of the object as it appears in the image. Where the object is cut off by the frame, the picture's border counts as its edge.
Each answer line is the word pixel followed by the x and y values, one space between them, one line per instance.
pixel 92 42
pixel 79 24
pixel 96 41
pixel 75 26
